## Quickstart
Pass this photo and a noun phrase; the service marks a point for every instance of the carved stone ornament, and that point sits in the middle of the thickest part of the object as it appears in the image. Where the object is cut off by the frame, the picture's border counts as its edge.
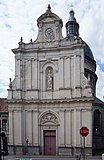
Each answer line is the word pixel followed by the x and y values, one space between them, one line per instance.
pixel 49 34
pixel 49 117
pixel 49 79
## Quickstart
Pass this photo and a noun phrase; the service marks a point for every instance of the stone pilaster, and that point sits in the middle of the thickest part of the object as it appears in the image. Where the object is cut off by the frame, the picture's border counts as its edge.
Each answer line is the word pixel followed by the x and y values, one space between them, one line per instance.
pixel 62 129
pixel 61 72
pixel 78 126
pixel 11 127
pixel 74 127
pixel 72 71
pixel 35 128
pixel 28 126
pixel 67 72
pixel 29 75
pixel 89 126
pixel 17 127
pixel 34 74
pixel 18 74
pixel 68 128
pixel 78 71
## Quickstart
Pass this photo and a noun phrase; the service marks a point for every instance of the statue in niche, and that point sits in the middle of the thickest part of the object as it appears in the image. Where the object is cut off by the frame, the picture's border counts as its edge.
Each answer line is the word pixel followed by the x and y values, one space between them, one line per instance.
pixel 49 79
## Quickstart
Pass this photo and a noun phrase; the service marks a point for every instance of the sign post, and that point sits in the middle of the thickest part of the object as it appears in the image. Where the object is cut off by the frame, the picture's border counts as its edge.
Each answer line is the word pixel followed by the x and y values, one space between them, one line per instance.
pixel 84 131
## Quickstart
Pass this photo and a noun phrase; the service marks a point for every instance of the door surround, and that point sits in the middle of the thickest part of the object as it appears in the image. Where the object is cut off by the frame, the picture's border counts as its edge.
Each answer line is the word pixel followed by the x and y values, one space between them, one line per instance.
pixel 48 120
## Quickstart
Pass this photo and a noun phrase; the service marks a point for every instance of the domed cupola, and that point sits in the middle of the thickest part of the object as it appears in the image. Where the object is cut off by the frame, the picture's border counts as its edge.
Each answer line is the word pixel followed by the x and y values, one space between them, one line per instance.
pixel 72 27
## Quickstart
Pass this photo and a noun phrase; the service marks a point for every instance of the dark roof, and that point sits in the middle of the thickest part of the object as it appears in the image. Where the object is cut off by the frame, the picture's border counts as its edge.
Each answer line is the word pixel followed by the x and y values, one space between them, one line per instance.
pixel 3 105
pixel 88 51
pixel 98 101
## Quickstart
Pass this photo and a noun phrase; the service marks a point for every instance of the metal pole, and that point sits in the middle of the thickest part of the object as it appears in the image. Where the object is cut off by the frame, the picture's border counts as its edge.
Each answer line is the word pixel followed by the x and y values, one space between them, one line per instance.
pixel 0 142
pixel 83 147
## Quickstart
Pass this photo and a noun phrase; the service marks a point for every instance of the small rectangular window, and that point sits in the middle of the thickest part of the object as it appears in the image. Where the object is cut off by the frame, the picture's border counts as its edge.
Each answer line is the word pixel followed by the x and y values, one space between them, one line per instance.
pixel 4 124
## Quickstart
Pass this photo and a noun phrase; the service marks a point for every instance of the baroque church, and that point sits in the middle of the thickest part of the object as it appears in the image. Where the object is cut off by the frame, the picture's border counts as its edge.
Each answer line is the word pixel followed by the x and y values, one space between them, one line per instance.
pixel 53 93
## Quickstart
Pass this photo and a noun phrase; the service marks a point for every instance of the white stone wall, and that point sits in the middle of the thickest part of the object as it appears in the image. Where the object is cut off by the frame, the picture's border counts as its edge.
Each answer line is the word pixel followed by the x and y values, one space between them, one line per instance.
pixel 68 75
pixel 69 101
pixel 15 125
pixel 70 120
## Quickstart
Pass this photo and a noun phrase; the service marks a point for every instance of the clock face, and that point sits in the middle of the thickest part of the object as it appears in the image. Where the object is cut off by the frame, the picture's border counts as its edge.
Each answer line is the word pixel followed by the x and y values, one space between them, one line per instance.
pixel 49 34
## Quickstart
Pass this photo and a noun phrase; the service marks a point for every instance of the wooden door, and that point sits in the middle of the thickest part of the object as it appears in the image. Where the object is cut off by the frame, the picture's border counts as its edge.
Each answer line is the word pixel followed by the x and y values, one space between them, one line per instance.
pixel 50 142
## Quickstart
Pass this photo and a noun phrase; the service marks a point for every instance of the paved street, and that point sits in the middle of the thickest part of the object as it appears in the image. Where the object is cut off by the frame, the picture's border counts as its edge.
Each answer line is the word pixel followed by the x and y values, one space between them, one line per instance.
pixel 50 158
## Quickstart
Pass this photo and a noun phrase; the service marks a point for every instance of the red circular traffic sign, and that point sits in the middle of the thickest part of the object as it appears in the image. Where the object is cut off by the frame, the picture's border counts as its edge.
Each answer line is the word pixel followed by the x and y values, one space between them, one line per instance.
pixel 84 131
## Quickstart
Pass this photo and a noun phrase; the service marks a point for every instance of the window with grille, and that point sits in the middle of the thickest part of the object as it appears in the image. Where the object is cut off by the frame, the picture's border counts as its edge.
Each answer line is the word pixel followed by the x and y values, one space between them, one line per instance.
pixel 4 124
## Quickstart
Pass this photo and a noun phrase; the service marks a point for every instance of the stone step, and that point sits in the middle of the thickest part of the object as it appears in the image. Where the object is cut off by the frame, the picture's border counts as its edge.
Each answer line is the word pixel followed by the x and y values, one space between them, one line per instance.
pixel 51 158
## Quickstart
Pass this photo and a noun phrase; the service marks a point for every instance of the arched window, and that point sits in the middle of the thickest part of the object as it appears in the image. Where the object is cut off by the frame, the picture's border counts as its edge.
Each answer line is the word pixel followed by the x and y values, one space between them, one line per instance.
pixel 4 124
pixel 49 78
pixel 97 121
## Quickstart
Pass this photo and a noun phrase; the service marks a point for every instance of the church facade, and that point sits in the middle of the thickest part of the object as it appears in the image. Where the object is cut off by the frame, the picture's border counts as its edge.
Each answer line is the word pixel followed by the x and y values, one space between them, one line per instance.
pixel 53 92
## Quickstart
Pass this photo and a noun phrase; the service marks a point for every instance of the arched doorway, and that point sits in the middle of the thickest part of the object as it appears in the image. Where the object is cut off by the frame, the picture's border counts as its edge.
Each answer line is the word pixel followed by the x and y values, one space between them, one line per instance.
pixel 49 123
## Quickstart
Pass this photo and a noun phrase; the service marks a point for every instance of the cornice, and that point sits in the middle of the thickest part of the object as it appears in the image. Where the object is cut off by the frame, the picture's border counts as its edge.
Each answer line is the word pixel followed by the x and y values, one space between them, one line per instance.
pixel 64 44
pixel 51 101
